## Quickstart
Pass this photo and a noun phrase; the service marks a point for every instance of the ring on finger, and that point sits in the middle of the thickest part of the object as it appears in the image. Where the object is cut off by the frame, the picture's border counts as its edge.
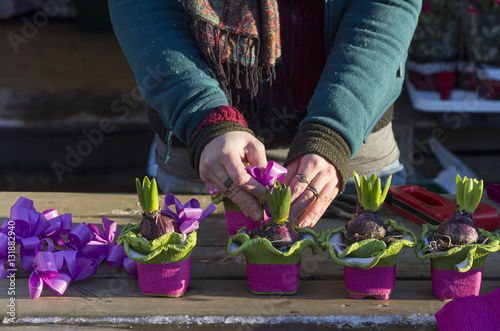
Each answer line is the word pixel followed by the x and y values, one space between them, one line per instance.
pixel 303 178
pixel 313 190
pixel 228 182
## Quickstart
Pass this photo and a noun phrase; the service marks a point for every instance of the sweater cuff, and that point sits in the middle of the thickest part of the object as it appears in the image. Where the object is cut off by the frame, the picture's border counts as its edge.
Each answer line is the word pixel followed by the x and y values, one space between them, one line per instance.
pixel 203 136
pixel 314 138
pixel 222 113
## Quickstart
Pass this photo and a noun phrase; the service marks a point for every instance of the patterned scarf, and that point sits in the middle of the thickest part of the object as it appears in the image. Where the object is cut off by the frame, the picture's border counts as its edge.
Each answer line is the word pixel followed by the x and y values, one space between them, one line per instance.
pixel 240 40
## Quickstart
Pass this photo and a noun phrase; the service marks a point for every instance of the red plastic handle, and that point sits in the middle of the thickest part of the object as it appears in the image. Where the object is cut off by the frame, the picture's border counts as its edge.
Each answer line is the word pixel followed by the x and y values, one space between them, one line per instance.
pixel 430 203
pixel 440 208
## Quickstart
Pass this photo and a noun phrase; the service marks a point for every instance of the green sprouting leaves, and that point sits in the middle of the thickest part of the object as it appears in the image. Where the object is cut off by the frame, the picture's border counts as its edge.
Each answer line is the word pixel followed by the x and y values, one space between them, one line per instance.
pixel 370 194
pixel 469 193
pixel 148 195
pixel 279 202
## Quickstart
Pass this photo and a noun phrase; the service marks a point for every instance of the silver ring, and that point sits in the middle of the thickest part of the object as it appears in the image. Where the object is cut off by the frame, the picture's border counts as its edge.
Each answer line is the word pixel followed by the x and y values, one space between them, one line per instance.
pixel 303 178
pixel 313 190
pixel 228 182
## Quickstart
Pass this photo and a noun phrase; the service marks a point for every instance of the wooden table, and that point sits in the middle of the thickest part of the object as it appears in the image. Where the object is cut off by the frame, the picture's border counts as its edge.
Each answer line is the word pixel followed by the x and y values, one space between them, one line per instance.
pixel 218 295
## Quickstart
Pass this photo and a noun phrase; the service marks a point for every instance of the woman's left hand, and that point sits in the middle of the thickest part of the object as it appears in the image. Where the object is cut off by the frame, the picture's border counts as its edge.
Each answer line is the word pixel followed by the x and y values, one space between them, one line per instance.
pixel 314 184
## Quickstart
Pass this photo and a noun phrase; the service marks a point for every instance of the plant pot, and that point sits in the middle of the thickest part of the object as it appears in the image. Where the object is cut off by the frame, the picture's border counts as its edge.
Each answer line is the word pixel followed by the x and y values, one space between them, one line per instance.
pixel 163 264
pixel 451 284
pixel 273 278
pixel 164 279
pixel 236 219
pixel 370 264
pixel 377 282
pixel 271 271
pixel 457 272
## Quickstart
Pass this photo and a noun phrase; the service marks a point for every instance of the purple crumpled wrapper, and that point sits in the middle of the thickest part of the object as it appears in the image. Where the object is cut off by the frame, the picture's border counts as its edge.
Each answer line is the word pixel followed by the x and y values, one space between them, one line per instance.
pixel 481 312
pixel 493 192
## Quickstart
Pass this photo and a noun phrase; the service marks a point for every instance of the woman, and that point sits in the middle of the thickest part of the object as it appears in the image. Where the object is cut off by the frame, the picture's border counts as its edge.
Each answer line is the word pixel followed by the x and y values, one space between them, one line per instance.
pixel 317 77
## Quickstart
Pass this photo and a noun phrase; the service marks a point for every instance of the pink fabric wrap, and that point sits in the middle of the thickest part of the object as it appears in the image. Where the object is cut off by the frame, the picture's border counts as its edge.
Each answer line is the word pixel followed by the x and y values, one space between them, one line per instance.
pixel 164 279
pixel 451 284
pixel 273 278
pixel 377 282
pixel 472 312
pixel 236 220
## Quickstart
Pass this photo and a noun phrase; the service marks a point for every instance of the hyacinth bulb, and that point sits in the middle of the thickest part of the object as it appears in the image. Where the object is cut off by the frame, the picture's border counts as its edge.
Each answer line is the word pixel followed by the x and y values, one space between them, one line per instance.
pixel 365 225
pixel 157 225
pixel 460 229
pixel 154 224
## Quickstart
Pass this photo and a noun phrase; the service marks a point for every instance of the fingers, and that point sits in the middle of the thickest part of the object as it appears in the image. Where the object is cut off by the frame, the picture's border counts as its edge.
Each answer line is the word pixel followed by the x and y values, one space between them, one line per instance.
pixel 256 155
pixel 313 212
pixel 307 197
pixel 223 158
pixel 245 190
pixel 314 184
pixel 236 170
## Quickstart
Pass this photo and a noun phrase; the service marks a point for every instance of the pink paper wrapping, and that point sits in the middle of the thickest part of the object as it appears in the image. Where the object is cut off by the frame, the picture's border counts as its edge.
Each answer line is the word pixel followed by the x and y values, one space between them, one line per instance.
pixel 493 192
pixel 236 220
pixel 273 278
pixel 472 312
pixel 164 279
pixel 377 282
pixel 451 284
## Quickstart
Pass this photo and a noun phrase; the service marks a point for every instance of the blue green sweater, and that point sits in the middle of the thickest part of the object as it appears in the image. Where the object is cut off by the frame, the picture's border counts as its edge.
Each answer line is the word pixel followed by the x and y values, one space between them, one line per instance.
pixel 367 43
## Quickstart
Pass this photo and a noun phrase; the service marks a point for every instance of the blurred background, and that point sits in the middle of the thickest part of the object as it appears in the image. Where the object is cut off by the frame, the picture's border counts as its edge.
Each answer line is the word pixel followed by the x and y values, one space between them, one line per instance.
pixel 72 120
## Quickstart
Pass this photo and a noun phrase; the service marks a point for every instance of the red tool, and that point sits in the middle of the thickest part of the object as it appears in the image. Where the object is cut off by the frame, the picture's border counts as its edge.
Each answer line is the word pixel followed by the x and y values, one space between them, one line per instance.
pixel 423 206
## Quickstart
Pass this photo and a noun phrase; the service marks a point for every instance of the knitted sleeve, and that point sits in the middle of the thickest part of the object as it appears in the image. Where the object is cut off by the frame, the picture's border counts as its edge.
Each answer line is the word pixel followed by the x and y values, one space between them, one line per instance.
pixel 170 72
pixel 321 140
pixel 363 76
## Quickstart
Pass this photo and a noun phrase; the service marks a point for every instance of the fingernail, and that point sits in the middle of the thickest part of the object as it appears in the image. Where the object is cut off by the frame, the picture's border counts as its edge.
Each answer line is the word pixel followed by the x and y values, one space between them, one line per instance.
pixel 305 223
pixel 256 217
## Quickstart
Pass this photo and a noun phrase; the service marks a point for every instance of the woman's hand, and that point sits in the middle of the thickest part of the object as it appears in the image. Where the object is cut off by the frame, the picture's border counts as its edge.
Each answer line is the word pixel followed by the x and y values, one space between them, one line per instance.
pixel 223 158
pixel 320 176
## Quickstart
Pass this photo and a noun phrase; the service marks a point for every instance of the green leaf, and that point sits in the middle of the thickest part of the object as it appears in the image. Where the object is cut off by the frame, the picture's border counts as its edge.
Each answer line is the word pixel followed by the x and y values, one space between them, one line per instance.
pixel 268 194
pixel 276 200
pixel 154 196
pixel 270 202
pixel 279 202
pixel 370 194
pixel 147 197
pixel 140 195
pixel 386 189
pixel 460 192
pixel 475 196
pixel 468 186
pixel 357 184
pixel 376 192
pixel 286 200
pixel 145 182
pixel 365 193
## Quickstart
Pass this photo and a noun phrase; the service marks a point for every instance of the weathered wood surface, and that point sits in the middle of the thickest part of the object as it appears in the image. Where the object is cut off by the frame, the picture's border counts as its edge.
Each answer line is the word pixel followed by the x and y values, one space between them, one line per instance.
pixel 218 289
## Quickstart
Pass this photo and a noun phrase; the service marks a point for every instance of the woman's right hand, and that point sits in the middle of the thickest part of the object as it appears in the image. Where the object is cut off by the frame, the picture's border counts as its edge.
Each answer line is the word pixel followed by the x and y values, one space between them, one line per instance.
pixel 223 158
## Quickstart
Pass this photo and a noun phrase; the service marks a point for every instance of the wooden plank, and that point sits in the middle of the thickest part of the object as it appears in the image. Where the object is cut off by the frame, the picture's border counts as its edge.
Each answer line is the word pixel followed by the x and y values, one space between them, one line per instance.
pixel 216 263
pixel 219 290
pixel 122 298
pixel 210 256
pixel 82 205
